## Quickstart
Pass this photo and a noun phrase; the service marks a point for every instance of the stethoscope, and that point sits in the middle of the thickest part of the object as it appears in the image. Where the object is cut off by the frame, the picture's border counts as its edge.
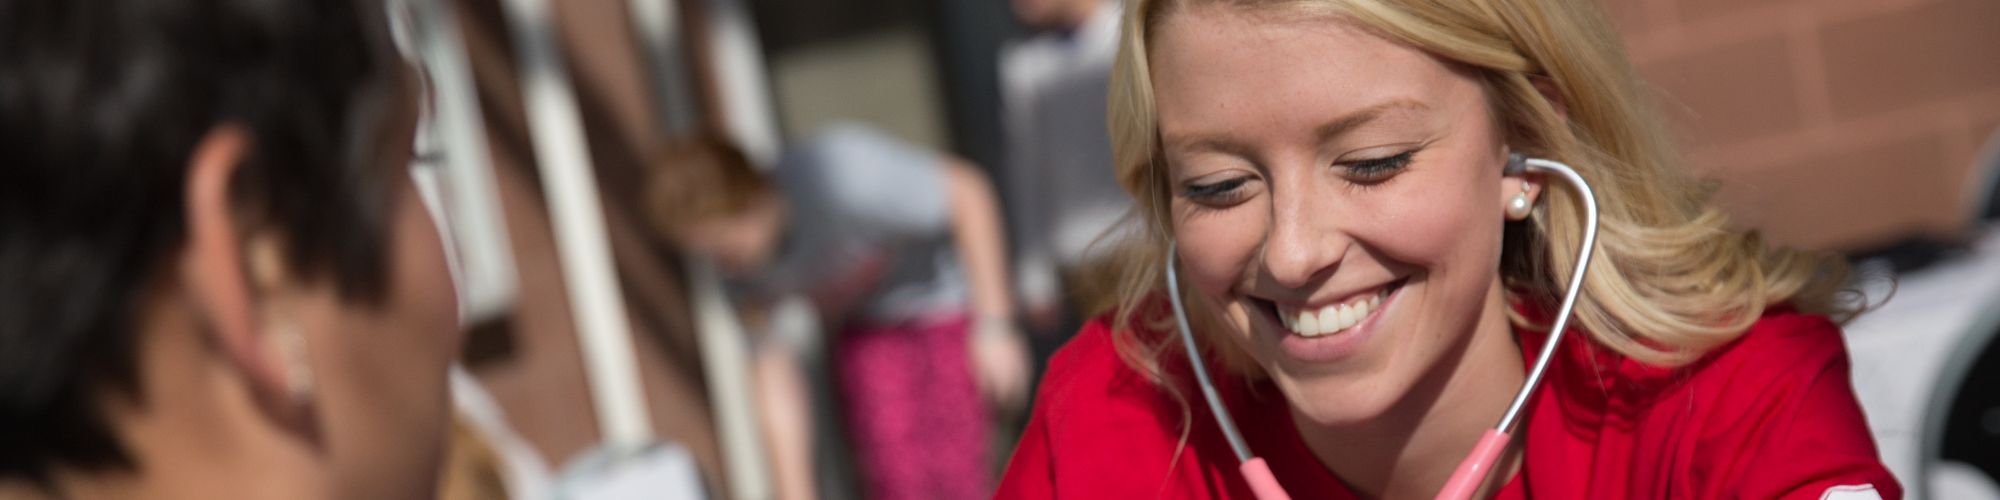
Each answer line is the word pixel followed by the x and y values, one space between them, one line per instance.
pixel 1478 464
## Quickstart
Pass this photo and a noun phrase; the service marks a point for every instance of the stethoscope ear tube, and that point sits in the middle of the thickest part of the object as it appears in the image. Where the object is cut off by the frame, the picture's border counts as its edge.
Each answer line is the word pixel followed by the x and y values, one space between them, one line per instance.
pixel 1262 483
pixel 1585 250
pixel 1466 479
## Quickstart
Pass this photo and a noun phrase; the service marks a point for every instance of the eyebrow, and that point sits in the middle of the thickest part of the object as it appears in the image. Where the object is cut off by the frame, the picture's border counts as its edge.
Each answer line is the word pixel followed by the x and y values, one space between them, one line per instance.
pixel 1345 123
pixel 1357 118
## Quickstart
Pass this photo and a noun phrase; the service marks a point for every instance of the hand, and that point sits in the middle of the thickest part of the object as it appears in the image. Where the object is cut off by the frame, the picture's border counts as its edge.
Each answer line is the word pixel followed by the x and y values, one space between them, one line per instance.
pixel 999 359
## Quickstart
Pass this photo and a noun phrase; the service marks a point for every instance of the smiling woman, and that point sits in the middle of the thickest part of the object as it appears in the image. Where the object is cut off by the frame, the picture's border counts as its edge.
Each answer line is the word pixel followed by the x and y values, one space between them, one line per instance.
pixel 1361 267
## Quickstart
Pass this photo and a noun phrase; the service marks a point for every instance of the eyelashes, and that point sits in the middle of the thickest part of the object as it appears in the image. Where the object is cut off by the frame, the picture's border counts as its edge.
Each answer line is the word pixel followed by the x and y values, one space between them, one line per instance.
pixel 1214 189
pixel 1379 168
pixel 1363 173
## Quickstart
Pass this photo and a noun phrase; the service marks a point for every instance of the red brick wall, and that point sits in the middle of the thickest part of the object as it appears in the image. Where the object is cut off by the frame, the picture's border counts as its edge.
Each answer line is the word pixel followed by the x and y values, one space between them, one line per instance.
pixel 1832 124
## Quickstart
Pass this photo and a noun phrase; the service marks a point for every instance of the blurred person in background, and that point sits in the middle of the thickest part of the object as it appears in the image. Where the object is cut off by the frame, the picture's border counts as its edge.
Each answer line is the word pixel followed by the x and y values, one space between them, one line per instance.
pixel 220 281
pixel 901 250
pixel 1372 283
pixel 1060 194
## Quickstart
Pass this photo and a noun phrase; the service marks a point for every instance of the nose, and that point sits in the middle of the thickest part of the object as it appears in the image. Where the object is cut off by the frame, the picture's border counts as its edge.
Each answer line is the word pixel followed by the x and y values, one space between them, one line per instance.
pixel 1305 241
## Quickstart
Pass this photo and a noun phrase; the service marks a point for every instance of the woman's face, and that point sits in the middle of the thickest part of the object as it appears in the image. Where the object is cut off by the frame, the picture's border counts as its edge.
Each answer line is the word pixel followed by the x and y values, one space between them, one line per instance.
pixel 381 396
pixel 1337 196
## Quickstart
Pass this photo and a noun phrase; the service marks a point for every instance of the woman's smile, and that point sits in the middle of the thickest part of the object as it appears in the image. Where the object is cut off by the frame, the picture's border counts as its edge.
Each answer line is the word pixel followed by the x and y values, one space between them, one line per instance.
pixel 1327 331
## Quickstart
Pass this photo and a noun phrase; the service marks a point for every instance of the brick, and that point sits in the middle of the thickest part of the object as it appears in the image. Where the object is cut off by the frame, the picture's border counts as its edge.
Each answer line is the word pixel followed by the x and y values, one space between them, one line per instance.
pixel 1630 17
pixel 1850 197
pixel 1985 131
pixel 1729 92
pixel 1695 11
pixel 1967 141
pixel 1931 51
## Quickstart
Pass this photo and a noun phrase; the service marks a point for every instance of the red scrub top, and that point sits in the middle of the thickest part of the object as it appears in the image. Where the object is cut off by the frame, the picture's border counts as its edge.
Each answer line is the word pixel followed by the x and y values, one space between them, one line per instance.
pixel 1769 415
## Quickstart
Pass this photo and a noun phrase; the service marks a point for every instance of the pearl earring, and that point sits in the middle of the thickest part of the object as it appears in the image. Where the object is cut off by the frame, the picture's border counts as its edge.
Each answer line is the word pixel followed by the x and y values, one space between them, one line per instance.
pixel 1519 207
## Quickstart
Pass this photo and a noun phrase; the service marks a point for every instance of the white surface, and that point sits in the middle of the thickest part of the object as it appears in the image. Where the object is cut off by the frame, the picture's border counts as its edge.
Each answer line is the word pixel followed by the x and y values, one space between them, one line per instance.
pixel 1900 349
pixel 584 252
pixel 481 249
pixel 1852 492
pixel 661 472
pixel 725 359
pixel 739 77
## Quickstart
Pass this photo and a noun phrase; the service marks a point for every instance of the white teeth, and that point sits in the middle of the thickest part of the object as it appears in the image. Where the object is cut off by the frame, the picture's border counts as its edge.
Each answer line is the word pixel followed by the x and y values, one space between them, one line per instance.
pixel 1331 318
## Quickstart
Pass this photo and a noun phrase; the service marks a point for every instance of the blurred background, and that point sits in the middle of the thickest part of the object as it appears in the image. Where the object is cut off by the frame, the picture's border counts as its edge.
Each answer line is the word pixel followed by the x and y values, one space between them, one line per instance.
pixel 1866 127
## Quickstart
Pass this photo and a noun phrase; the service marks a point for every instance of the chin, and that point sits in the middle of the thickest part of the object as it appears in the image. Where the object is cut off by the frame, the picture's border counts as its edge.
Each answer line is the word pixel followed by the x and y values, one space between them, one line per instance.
pixel 1340 400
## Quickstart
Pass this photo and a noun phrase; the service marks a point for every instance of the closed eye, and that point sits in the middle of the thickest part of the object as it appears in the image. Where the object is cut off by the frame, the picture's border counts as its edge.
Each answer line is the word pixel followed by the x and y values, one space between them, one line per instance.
pixel 1213 188
pixel 1223 192
pixel 1375 170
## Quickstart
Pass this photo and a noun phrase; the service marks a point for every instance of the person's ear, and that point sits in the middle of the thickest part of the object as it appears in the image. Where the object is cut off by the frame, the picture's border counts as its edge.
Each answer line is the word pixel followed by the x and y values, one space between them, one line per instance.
pixel 230 275
pixel 1518 189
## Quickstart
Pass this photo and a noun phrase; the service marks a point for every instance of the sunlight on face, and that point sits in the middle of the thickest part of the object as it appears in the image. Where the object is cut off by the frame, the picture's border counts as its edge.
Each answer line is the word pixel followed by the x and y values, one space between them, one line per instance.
pixel 1337 195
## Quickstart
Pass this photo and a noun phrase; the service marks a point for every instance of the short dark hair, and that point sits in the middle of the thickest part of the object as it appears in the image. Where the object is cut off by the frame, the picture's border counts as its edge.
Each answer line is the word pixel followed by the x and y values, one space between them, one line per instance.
pixel 101 105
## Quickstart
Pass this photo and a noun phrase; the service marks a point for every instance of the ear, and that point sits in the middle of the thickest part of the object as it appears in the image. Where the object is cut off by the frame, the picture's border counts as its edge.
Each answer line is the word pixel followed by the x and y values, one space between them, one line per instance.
pixel 1524 185
pixel 217 268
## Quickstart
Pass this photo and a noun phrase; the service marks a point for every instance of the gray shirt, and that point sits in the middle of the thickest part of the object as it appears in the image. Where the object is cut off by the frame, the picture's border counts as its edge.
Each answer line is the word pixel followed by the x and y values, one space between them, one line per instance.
pixel 869 215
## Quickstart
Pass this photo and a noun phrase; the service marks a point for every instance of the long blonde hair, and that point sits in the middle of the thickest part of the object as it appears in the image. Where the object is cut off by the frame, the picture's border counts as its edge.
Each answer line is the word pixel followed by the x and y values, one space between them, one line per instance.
pixel 1670 281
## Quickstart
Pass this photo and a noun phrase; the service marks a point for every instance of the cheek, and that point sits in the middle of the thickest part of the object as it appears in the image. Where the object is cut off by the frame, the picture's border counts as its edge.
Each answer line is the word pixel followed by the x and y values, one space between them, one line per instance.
pixel 1440 223
pixel 1217 248
pixel 399 397
pixel 423 299
pixel 1422 233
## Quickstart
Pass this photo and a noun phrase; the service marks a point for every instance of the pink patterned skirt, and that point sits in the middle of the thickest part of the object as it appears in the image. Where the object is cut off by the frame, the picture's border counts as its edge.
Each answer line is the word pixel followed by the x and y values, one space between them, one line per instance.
pixel 919 426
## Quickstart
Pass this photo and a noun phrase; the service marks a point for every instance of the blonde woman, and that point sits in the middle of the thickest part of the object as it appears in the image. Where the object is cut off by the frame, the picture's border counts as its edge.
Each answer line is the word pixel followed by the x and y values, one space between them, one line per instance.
pixel 1370 285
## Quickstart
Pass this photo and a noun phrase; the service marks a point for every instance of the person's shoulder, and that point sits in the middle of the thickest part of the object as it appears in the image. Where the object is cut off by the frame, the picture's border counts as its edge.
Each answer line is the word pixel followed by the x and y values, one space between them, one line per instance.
pixel 1781 361
pixel 1784 343
pixel 1780 406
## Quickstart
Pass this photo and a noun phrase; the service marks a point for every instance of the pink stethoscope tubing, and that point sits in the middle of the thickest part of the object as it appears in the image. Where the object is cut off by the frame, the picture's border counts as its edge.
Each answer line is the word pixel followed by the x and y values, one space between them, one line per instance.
pixel 1470 473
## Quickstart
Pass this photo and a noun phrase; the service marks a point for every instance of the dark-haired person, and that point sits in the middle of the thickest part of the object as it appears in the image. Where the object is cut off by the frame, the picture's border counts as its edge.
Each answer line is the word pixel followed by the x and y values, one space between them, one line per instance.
pixel 218 279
